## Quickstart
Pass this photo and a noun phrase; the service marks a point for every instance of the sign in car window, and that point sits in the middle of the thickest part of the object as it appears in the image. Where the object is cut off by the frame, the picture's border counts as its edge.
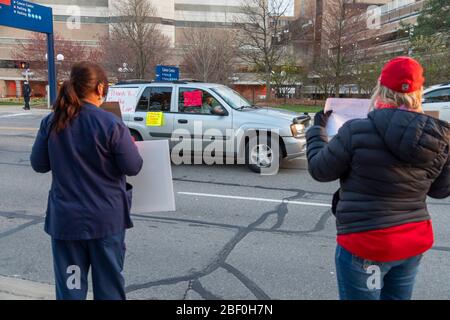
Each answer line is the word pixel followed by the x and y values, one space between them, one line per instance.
pixel 126 97
pixel 26 15
pixel 155 119
pixel 192 98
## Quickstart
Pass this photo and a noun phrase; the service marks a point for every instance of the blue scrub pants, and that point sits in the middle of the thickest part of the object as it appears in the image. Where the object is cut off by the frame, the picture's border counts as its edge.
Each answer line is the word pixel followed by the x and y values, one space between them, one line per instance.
pixel 72 260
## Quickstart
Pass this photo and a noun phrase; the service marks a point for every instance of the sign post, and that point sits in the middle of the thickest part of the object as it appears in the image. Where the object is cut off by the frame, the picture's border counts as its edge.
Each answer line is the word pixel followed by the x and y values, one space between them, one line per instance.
pixel 30 16
pixel 51 68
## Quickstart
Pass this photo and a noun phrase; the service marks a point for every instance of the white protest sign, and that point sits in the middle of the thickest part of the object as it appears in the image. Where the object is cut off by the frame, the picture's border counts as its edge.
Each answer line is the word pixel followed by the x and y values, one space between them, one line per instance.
pixel 126 97
pixel 344 110
pixel 153 187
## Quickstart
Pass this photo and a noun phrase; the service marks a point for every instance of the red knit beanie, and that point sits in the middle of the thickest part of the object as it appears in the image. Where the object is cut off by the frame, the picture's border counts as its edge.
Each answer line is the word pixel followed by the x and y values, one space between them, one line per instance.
pixel 403 75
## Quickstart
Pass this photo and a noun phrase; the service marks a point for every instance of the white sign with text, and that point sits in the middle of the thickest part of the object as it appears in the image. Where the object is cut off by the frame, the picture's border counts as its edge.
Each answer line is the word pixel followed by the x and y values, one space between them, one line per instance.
pixel 126 97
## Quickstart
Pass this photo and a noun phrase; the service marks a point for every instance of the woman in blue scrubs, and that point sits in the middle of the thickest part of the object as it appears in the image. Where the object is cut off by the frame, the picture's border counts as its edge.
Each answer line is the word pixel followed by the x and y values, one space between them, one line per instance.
pixel 89 152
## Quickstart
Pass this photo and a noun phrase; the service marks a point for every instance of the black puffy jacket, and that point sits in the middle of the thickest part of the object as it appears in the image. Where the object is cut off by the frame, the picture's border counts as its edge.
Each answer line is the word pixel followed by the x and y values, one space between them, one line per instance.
pixel 387 165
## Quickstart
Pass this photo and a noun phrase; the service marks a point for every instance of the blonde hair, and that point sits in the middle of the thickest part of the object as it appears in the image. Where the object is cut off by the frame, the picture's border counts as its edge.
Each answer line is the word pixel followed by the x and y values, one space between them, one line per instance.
pixel 411 101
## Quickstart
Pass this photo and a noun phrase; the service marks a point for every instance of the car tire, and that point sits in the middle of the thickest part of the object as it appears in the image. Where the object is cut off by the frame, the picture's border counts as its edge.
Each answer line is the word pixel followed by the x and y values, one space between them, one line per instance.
pixel 136 136
pixel 254 164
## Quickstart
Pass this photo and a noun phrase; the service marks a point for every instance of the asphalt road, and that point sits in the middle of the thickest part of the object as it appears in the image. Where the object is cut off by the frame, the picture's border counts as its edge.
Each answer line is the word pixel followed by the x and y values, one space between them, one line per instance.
pixel 235 234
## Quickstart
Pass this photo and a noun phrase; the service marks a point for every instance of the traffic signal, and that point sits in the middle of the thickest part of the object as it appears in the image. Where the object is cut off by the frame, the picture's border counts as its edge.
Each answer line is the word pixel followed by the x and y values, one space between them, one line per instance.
pixel 23 65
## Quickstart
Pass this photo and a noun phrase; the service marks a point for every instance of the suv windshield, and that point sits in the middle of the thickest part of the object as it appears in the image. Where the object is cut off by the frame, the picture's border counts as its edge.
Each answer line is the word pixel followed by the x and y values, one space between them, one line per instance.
pixel 234 99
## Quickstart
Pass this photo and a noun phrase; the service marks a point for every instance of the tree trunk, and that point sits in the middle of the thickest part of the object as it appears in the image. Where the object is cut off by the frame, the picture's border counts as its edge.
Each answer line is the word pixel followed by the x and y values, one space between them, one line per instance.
pixel 268 87
pixel 336 90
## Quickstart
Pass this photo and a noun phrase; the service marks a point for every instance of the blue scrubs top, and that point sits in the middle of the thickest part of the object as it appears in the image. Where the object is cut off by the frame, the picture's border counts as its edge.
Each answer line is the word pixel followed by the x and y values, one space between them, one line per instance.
pixel 89 160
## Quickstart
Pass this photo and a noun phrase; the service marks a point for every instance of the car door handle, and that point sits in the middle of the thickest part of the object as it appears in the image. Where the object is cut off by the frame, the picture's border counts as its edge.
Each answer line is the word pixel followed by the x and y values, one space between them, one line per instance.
pixel 138 119
pixel 182 121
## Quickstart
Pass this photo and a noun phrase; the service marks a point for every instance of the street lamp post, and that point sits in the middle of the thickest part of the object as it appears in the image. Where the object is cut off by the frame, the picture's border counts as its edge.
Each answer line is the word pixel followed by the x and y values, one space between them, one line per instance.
pixel 125 70
pixel 284 84
pixel 59 60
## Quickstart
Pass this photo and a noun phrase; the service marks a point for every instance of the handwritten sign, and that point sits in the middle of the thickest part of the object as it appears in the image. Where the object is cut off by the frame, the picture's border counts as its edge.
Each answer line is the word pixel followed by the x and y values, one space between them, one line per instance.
pixel 155 119
pixel 344 110
pixel 192 98
pixel 126 97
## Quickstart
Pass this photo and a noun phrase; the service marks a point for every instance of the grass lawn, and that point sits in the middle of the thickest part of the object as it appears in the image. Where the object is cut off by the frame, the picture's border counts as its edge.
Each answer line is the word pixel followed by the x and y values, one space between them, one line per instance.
pixel 300 108
pixel 18 101
pixel 291 107
pixel 9 103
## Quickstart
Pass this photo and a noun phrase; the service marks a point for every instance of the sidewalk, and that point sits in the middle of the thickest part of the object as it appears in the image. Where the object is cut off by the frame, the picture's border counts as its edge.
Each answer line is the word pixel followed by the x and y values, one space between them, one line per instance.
pixel 20 289
pixel 18 108
pixel 12 288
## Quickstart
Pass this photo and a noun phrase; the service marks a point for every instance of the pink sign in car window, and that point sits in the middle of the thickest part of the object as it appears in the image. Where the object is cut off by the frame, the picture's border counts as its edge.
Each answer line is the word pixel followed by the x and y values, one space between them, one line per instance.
pixel 192 98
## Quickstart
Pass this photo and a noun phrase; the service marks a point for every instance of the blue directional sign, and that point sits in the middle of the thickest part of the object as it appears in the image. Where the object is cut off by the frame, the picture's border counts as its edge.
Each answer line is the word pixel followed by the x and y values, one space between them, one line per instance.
pixel 26 15
pixel 166 73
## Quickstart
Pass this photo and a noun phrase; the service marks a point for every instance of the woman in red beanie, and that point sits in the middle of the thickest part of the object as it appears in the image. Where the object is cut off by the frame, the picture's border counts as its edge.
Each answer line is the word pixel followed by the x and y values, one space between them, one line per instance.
pixel 387 165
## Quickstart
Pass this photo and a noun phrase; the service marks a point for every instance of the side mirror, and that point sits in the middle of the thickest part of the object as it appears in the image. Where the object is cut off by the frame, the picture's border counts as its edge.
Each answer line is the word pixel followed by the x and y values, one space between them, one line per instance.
pixel 304 119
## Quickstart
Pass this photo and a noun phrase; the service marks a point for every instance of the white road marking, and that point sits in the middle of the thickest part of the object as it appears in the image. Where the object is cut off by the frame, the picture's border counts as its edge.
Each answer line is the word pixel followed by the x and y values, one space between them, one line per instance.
pixel 15 115
pixel 254 199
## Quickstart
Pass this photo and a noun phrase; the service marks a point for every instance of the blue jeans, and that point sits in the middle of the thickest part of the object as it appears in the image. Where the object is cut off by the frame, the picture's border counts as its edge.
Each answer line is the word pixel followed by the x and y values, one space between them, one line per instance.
pixel 360 279
pixel 73 259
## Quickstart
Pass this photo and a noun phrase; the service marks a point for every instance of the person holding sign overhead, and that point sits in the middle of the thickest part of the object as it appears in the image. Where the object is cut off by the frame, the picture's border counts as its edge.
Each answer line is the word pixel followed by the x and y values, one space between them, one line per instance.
pixel 387 164
pixel 89 152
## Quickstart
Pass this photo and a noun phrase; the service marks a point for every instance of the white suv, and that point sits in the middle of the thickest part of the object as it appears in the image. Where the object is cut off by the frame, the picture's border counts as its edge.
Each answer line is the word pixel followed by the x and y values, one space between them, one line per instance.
pixel 437 99
pixel 198 108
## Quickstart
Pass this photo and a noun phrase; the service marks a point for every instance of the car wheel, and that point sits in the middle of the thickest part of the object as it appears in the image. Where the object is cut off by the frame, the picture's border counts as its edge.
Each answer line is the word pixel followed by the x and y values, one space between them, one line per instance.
pixel 260 155
pixel 136 136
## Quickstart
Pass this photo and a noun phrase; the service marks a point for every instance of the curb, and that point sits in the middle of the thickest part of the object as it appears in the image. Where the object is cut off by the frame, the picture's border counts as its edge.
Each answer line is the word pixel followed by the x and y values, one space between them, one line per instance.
pixel 12 288
pixel 19 289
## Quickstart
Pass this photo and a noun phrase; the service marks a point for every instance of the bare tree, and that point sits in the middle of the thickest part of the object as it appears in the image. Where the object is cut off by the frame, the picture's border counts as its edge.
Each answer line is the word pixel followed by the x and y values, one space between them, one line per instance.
pixel 112 59
pixel 341 24
pixel 323 75
pixel 434 54
pixel 287 78
pixel 209 54
pixel 366 70
pixel 260 30
pixel 34 51
pixel 140 38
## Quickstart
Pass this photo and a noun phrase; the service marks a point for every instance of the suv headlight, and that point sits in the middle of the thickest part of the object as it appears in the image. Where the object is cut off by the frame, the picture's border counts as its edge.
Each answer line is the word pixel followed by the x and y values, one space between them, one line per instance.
pixel 298 130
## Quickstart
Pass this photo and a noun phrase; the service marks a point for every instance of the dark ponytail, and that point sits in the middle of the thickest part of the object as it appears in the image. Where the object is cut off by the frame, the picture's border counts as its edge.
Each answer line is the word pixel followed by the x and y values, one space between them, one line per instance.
pixel 84 80
pixel 66 107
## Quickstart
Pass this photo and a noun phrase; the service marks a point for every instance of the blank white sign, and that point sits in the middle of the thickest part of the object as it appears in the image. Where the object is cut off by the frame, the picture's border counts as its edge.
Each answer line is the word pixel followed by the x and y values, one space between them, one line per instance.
pixel 153 186
pixel 345 109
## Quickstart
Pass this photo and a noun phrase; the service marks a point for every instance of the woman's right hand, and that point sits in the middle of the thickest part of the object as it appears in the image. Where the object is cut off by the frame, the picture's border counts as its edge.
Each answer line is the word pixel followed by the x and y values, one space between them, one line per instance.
pixel 321 118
